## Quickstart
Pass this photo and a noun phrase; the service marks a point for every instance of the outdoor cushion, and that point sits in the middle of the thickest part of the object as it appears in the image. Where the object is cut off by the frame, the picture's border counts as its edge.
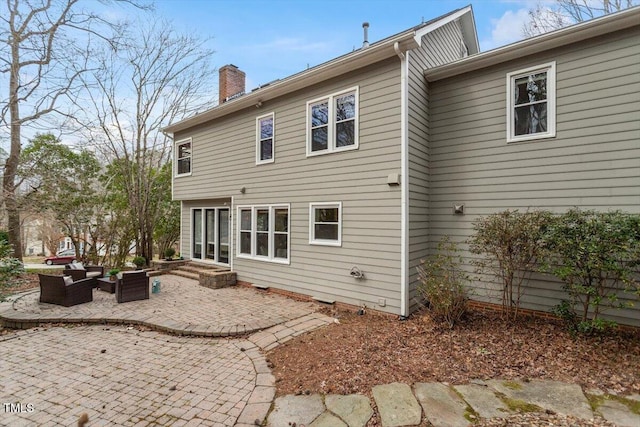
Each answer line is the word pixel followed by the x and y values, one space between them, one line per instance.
pixel 95 274
pixel 68 280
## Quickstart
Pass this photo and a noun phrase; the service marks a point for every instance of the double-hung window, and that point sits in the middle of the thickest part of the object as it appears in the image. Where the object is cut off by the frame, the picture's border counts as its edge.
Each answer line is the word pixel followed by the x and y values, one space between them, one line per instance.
pixel 265 139
pixel 325 224
pixel 531 103
pixel 332 123
pixel 264 233
pixel 183 157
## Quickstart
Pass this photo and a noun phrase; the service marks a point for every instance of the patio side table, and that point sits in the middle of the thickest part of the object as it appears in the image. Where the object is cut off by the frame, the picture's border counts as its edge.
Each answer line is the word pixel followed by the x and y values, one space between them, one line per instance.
pixel 107 285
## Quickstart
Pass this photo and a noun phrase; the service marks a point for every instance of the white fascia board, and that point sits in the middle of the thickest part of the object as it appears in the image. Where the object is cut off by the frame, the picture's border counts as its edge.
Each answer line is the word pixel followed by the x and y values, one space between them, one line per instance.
pixel 466 12
pixel 320 73
pixel 562 37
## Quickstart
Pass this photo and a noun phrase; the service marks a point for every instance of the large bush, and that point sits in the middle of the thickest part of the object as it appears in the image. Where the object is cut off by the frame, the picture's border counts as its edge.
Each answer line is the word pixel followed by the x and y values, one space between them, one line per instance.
pixel 597 256
pixel 509 246
pixel 443 283
pixel 10 269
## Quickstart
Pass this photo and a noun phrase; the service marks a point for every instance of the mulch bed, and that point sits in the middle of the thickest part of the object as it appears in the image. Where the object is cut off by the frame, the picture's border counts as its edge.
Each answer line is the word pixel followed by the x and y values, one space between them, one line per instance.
pixel 363 351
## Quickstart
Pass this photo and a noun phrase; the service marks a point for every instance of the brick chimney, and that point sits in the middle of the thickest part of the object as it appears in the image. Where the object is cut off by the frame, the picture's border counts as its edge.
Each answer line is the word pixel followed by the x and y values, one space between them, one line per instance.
pixel 231 83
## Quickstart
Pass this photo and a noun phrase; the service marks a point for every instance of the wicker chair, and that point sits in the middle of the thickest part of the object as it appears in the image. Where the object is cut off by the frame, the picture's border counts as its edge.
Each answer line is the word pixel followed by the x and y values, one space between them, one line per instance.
pixel 95 271
pixel 54 290
pixel 133 286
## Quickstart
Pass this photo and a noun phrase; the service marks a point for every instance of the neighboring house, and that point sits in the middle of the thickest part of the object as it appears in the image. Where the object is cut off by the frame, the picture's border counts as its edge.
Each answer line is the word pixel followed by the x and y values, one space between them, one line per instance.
pixel 357 165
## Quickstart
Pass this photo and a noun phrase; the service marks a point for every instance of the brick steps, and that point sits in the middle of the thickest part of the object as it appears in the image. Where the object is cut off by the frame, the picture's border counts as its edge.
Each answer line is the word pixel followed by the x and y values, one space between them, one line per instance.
pixel 187 274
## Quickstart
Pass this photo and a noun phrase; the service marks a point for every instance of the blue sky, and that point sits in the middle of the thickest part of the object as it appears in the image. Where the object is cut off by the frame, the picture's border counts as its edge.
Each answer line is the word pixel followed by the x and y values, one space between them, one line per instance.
pixel 273 39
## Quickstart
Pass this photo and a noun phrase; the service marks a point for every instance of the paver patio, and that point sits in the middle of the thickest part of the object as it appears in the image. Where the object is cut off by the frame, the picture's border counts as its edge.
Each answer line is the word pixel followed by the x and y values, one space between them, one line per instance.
pixel 182 307
pixel 121 375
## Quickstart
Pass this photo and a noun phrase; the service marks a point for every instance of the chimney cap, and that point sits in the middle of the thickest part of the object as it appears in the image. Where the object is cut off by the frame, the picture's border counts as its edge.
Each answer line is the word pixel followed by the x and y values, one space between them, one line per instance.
pixel 365 24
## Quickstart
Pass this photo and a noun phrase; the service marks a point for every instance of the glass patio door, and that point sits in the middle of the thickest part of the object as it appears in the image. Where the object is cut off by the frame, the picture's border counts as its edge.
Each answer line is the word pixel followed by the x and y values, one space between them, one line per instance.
pixel 210 234
pixel 223 236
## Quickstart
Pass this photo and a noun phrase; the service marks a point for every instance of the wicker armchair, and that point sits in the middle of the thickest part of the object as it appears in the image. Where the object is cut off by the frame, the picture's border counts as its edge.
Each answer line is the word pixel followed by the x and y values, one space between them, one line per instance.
pixel 54 290
pixel 95 271
pixel 132 286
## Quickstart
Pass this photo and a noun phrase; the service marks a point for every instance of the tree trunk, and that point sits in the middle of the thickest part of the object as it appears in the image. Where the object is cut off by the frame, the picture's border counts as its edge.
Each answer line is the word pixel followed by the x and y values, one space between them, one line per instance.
pixel 11 165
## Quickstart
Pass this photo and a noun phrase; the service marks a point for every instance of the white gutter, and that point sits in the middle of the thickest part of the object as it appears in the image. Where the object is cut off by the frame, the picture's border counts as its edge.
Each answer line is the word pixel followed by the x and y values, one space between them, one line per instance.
pixel 404 181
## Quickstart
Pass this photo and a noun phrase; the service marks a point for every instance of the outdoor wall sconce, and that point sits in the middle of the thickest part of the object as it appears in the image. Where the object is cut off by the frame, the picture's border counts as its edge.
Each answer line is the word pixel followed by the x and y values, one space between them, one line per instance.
pixel 356 273
pixel 458 209
pixel 243 190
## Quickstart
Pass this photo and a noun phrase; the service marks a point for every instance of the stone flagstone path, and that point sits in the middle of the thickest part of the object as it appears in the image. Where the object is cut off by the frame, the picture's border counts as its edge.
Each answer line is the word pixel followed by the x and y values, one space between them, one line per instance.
pixel 443 405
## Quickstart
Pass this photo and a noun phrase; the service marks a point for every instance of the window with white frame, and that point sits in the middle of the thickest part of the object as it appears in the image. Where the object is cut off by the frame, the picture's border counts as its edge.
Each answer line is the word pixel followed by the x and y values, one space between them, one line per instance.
pixel 325 224
pixel 264 233
pixel 332 123
pixel 265 139
pixel 531 103
pixel 183 157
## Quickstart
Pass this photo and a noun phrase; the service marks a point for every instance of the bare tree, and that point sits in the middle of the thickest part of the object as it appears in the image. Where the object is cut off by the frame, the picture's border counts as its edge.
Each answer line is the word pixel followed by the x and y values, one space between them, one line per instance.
pixel 544 17
pixel 158 77
pixel 45 46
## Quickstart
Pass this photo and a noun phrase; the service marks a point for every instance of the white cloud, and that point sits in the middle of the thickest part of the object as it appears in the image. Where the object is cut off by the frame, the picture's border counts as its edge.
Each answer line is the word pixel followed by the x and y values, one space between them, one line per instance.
pixel 507 29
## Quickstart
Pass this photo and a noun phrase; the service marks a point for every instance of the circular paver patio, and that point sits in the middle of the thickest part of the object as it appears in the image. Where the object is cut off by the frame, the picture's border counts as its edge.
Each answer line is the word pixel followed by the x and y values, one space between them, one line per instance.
pixel 122 376
pixel 182 307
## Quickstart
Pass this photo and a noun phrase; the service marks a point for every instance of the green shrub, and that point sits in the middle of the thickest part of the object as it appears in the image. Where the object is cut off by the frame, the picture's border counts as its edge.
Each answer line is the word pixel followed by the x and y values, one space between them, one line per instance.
pixel 169 252
pixel 443 283
pixel 10 269
pixel 139 261
pixel 596 255
pixel 509 244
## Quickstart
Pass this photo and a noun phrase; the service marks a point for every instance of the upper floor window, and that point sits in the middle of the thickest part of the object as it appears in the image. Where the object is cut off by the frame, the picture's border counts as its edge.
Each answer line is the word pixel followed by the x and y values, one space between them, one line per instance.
pixel 265 139
pixel 531 103
pixel 183 157
pixel 332 123
pixel 325 224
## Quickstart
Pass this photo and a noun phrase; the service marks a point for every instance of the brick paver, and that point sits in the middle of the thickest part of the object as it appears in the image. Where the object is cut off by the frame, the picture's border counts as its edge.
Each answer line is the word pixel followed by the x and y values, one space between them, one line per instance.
pixel 182 307
pixel 120 375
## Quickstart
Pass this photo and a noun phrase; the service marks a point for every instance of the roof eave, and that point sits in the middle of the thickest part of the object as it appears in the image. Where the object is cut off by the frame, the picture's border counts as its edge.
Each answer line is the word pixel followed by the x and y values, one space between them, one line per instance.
pixel 320 73
pixel 603 25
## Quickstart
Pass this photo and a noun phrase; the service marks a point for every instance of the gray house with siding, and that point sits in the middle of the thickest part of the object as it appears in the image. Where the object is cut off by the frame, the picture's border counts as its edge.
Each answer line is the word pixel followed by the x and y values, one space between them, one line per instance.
pixel 334 182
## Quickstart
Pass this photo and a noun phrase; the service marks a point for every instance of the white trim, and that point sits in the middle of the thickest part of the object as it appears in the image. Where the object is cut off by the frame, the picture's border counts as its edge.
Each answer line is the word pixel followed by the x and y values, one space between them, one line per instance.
pixel 175 158
pixel 578 33
pixel 324 242
pixel 331 142
pixel 231 234
pixel 271 115
pixel 271 258
pixel 550 69
pixel 466 13
pixel 404 180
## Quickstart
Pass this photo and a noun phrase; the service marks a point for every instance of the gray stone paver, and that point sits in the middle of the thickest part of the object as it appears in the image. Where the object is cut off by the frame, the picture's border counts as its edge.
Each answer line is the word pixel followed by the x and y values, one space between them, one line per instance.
pixel 483 401
pixel 397 405
pixel 295 409
pixel 619 414
pixel 353 409
pixel 441 405
pixel 563 398
pixel 182 306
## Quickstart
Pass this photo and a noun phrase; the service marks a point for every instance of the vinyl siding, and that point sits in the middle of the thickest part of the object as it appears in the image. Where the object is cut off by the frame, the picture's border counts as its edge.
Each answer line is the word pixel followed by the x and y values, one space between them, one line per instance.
pixel 593 162
pixel 440 46
pixel 224 162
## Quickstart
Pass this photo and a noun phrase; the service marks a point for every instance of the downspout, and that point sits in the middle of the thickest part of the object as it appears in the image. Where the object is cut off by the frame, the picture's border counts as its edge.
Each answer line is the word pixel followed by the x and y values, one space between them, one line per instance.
pixel 404 182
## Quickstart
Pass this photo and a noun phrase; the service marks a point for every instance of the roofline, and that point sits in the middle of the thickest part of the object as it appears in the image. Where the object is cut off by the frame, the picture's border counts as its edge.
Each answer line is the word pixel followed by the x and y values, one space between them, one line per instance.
pixel 603 25
pixel 357 59
pixel 335 67
pixel 464 14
